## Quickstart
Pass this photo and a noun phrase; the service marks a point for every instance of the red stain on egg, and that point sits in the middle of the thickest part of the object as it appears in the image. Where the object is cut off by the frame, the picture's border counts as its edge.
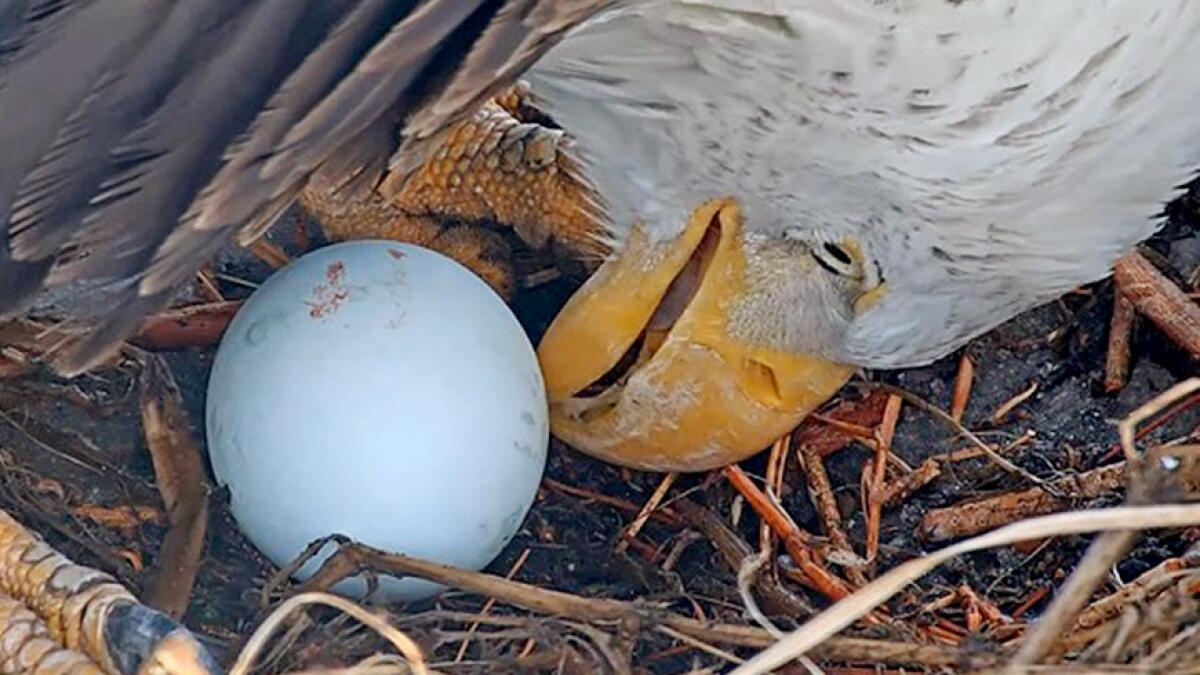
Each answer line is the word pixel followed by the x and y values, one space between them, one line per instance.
pixel 327 297
pixel 336 272
pixel 396 253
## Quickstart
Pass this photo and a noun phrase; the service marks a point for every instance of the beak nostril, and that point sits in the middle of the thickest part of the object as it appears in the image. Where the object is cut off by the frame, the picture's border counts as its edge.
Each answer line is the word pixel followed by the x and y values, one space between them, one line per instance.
pixel 761 382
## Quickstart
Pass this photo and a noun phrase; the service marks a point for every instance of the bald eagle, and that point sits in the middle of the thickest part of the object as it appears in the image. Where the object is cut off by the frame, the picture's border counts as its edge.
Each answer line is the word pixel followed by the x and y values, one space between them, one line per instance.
pixel 791 189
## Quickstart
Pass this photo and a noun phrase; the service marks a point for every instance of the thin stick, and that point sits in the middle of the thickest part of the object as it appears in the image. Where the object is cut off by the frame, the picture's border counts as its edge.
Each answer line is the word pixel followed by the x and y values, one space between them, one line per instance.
pixel 904 486
pixel 353 559
pixel 774 484
pixel 995 457
pixel 1100 556
pixel 746 574
pixel 179 474
pixel 258 640
pixel 1126 431
pixel 962 387
pixel 836 428
pixel 699 644
pixel 1153 426
pixel 820 491
pixel 209 285
pixel 192 326
pixel 1156 296
pixel 1032 599
pixel 1120 334
pixel 487 606
pixel 795 540
pixel 648 508
pixel 734 552
pixel 269 252
pixel 1011 404
pixel 979 515
pixel 664 514
pixel 847 611
pixel 854 431
pixel 875 490
pixel 1074 594
pixel 1148 584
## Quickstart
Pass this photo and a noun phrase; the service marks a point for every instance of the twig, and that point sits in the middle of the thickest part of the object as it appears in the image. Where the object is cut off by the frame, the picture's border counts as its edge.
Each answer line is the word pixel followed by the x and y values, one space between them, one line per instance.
pixel 15 363
pixel 487 606
pixel 795 540
pixel 1011 404
pixel 1151 582
pixel 1174 411
pixel 1030 600
pixel 262 634
pixel 820 491
pixel 1156 296
pixel 875 489
pixel 940 414
pixel 833 430
pixel 907 484
pixel 1120 333
pixel 127 518
pixel 842 614
pixel 774 485
pixel 962 387
pixel 354 559
pixel 208 284
pixel 698 644
pixel 540 277
pixel 1101 554
pixel 929 470
pixel 980 610
pixel 758 564
pixel 269 252
pixel 83 463
pixel 648 508
pixel 972 517
pixel 664 514
pixel 191 326
pixel 179 470
pixel 733 551
pixel 1126 431
pixel 746 575
pixel 973 452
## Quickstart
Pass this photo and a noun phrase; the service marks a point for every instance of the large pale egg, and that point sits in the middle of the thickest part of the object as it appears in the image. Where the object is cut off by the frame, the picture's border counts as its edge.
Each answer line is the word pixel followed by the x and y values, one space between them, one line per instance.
pixel 383 392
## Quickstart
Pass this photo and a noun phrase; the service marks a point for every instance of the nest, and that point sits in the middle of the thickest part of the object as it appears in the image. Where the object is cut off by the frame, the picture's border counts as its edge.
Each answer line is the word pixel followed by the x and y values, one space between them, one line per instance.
pixel 941 519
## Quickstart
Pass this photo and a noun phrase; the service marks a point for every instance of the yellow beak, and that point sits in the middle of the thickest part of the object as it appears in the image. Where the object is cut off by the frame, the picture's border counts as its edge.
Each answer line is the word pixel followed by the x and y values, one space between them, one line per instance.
pixel 695 398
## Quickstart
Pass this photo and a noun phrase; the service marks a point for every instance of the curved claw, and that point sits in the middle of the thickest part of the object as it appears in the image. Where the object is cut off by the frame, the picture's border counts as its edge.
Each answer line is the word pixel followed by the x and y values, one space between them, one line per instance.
pixel 139 639
pixel 87 611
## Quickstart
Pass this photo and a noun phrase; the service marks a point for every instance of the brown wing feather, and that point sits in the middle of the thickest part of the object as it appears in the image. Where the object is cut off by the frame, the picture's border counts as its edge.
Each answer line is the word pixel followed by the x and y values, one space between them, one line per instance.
pixel 521 32
pixel 138 137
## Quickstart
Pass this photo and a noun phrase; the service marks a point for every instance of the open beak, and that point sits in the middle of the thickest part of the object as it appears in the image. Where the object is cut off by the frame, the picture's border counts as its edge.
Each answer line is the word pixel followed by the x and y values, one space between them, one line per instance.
pixel 642 370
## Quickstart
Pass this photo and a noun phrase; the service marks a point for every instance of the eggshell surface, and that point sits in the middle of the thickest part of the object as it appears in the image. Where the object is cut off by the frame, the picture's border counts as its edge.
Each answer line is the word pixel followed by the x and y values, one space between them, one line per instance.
pixel 383 392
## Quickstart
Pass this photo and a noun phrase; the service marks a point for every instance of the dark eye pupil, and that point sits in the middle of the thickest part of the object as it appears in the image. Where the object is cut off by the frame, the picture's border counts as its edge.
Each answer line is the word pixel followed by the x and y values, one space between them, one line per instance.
pixel 839 253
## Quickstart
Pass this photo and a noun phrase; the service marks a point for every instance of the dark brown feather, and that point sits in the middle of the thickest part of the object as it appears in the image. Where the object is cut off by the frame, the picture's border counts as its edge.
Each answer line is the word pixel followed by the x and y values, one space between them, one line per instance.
pixel 138 137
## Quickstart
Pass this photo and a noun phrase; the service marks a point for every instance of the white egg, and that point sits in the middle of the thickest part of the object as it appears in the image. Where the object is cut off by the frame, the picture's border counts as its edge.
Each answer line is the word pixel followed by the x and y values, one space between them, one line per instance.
pixel 380 391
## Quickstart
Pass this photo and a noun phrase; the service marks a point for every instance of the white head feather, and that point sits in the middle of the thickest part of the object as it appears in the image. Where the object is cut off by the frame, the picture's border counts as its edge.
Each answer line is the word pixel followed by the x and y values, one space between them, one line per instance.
pixel 989 155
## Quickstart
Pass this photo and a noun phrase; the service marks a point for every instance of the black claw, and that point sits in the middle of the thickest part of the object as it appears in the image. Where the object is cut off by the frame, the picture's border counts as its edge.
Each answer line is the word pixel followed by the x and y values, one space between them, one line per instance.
pixel 143 640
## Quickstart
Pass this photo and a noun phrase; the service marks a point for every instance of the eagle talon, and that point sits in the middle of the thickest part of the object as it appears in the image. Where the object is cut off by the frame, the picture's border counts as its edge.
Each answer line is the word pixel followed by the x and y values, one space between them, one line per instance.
pixel 92 618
